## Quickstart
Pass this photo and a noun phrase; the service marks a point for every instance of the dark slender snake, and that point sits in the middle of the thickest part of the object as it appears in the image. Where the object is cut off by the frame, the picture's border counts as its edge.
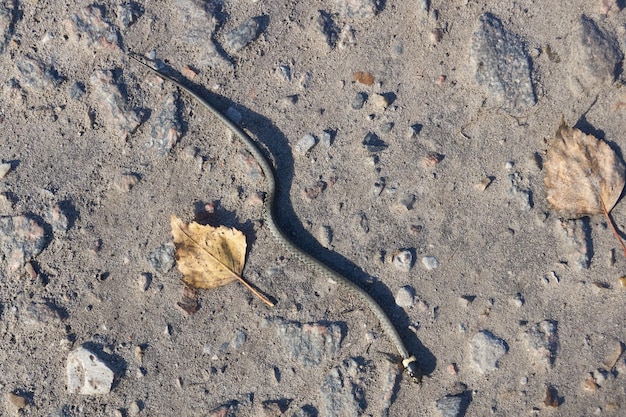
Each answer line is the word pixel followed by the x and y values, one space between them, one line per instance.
pixel 408 361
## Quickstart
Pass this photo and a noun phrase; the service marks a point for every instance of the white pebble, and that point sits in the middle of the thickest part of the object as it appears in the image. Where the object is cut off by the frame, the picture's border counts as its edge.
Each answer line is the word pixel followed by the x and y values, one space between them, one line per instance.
pixel 518 300
pixel 87 374
pixel 486 351
pixel 305 143
pixel 430 262
pixel 5 167
pixel 325 236
pixel 405 297
pixel 134 409
pixel 144 281
pixel 403 260
pixel 378 100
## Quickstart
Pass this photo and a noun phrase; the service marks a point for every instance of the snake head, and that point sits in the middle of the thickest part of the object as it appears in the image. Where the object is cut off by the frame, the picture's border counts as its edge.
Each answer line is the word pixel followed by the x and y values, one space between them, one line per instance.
pixel 413 369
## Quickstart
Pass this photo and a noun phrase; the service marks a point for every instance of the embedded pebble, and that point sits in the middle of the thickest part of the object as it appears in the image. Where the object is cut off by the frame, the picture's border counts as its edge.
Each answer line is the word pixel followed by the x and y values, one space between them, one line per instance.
pixel 145 279
pixel 405 297
pixel 239 339
pixel 326 138
pixel 359 100
pixel 200 25
pixel 58 219
pixel 364 225
pixel 543 340
pixel 435 36
pixel 430 262
pixel 501 65
pixel 250 165
pixel 363 77
pixel 305 144
pixel 87 374
pixel 112 104
pixel 403 260
pixel 414 130
pixel 162 258
pixel 373 143
pixel 16 401
pixel 5 168
pixel 242 35
pixel 451 406
pixel 596 54
pixel 342 391
pixel 305 411
pixel 127 13
pixel 325 236
pixel 134 409
pixel 379 101
pixel 359 9
pixel 225 410
pixel 520 191
pixel 576 236
pixel 518 300
pixel 386 128
pixel 7 16
pixel 76 90
pixel 21 238
pixel 486 350
pixel 484 183
pixel 310 343
pixel 346 37
pixel 39 313
pixel 407 201
pixel 315 190
pixel 35 74
pixel 90 27
pixel 432 158
pixel 284 72
pixel 125 182
pixel 166 128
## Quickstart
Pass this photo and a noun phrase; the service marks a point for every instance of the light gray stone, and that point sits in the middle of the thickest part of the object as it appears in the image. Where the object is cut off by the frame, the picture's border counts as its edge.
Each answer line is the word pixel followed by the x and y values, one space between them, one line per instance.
pixel 87 374
pixel 242 35
pixel 486 351
pixel 501 65
pixel 342 392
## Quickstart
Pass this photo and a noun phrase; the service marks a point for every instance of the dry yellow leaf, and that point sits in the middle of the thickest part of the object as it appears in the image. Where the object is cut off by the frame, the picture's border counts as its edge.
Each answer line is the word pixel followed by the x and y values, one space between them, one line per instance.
pixel 583 175
pixel 209 257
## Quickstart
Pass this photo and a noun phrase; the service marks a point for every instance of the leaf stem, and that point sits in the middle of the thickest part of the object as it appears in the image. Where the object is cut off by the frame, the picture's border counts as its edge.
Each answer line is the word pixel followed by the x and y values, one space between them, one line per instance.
pixel 615 232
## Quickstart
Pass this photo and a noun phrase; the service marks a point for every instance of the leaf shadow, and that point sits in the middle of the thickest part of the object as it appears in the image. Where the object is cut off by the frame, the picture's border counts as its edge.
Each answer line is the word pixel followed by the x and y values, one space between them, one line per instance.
pixel 274 143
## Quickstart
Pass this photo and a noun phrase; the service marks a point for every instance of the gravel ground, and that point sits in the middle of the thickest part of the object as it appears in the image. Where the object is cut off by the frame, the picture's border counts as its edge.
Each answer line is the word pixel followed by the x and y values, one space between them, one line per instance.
pixel 409 140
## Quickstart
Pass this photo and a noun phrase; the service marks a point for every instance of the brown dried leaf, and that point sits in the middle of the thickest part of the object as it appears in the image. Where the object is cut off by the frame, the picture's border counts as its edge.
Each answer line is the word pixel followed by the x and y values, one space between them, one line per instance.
pixel 210 257
pixel 583 175
pixel 207 256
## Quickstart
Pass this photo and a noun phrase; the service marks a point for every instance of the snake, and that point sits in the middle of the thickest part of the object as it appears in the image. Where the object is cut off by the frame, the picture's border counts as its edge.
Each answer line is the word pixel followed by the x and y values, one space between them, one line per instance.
pixel 270 208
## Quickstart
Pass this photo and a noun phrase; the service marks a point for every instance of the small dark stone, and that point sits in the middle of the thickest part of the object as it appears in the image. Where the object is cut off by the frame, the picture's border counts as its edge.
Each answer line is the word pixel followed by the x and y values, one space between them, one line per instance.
pixel 359 100
pixel 373 143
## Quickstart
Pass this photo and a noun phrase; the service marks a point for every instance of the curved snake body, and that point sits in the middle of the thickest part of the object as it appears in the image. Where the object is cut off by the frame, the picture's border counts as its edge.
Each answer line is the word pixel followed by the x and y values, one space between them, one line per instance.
pixel 408 361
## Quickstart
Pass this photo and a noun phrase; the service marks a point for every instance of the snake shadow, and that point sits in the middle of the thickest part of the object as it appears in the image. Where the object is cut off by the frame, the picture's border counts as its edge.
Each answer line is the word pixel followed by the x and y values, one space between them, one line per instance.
pixel 276 145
